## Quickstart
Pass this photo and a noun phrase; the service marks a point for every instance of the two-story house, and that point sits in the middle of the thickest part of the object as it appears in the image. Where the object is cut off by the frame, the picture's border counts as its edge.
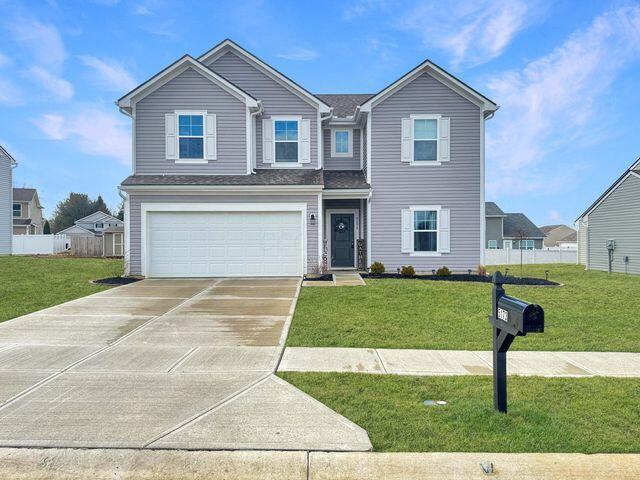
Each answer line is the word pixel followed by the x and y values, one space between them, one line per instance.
pixel 7 164
pixel 510 230
pixel 27 212
pixel 239 171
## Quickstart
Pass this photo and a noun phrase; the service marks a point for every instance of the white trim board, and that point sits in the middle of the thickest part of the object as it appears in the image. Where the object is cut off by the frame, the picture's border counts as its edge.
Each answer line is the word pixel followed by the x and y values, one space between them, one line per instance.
pixel 146 208
pixel 356 234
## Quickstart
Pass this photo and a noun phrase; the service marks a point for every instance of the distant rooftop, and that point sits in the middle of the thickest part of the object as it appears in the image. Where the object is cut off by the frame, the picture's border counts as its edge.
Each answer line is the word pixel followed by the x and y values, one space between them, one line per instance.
pixel 491 209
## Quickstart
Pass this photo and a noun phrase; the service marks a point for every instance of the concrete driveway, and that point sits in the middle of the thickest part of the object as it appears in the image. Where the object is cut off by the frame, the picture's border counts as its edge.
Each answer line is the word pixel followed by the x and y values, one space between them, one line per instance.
pixel 181 364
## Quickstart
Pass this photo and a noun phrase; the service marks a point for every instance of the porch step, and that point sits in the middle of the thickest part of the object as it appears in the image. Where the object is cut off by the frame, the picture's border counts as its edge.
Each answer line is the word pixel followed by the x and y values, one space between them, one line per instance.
pixel 351 279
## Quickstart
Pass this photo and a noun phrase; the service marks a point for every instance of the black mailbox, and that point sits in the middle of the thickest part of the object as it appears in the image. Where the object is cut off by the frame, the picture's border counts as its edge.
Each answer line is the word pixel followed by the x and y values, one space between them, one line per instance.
pixel 511 317
pixel 518 316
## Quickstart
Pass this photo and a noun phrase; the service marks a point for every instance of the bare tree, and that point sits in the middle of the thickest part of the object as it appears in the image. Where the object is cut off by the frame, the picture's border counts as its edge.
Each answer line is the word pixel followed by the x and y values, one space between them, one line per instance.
pixel 521 234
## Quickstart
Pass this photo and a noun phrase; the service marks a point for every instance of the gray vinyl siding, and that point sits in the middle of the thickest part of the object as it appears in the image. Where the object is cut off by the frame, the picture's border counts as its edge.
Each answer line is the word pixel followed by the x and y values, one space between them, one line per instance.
pixel 6 212
pixel 135 221
pixel 341 163
pixel 494 231
pixel 276 100
pixel 454 185
pixel 190 91
pixel 618 218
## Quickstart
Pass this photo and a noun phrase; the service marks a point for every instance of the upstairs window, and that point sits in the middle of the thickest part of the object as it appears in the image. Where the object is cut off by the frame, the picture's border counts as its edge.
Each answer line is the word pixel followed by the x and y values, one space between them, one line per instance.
pixel 286 141
pixel 17 210
pixel 99 226
pixel 342 143
pixel 191 136
pixel 425 140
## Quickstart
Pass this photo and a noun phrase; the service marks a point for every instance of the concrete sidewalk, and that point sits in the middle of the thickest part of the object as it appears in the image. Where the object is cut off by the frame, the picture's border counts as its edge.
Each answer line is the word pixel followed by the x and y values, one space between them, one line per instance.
pixel 458 362
pixel 100 464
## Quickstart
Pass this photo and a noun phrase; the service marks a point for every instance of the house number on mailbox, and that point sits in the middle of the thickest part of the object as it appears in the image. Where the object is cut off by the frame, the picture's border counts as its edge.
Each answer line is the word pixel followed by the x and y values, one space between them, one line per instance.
pixel 503 314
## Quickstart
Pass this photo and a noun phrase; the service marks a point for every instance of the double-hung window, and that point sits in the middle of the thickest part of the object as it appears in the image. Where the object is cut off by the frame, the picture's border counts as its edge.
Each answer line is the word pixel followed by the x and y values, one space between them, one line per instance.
pixel 425 139
pixel 190 137
pixel 286 141
pixel 17 210
pixel 527 244
pixel 425 230
pixel 492 244
pixel 341 143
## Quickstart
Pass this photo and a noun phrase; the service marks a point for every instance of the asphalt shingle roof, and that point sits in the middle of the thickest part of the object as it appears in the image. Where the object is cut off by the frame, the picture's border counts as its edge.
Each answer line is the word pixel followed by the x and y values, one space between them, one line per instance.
pixel 261 177
pixel 23 194
pixel 22 221
pixel 342 179
pixel 344 104
pixel 518 225
pixel 490 208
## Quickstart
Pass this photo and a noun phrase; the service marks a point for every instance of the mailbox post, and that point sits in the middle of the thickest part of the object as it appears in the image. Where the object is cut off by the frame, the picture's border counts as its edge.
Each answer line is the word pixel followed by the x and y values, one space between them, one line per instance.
pixel 511 317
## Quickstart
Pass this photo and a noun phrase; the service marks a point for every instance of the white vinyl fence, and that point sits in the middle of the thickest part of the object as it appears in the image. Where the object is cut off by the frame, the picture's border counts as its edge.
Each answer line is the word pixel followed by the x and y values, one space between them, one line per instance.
pixel 505 256
pixel 39 244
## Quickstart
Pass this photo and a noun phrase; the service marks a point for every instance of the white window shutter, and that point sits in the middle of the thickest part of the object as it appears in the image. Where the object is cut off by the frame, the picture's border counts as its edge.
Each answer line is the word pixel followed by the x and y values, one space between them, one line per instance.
pixel 171 136
pixel 267 140
pixel 444 231
pixel 407 231
pixel 445 138
pixel 211 137
pixel 407 140
pixel 305 141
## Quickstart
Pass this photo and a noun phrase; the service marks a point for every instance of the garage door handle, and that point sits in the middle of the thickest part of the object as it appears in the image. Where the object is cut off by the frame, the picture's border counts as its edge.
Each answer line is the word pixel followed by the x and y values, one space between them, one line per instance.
pixel 351 244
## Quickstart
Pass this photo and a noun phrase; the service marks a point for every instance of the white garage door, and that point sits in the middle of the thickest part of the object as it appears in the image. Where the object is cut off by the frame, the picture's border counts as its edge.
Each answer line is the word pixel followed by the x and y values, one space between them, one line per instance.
pixel 224 244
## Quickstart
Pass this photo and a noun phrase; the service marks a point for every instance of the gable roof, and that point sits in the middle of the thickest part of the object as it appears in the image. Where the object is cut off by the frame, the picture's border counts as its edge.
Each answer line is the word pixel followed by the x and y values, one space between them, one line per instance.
pixel 5 154
pixel 268 69
pixel 491 209
pixel 343 104
pixel 97 217
pixel 439 74
pixel 77 229
pixel 23 194
pixel 634 169
pixel 174 70
pixel 518 224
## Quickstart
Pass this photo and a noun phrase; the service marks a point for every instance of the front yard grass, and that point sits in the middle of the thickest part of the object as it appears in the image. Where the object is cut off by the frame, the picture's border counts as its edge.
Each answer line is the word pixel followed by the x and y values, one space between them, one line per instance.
pixel 28 284
pixel 588 415
pixel 593 311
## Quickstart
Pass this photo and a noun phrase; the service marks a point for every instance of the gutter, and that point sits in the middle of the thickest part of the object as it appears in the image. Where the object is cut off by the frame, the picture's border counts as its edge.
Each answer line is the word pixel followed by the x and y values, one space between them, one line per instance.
pixel 253 115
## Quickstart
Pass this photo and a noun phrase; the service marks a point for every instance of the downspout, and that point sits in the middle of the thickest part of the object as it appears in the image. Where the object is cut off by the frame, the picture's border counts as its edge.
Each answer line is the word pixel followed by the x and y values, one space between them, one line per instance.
pixel 253 116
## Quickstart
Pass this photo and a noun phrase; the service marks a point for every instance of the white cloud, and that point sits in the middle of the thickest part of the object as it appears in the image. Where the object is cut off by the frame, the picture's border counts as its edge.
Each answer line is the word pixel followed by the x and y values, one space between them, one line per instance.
pixel 4 60
pixel 385 50
pixel 43 41
pixel 111 74
pixel 10 94
pixel 55 85
pixel 553 103
pixel 300 54
pixel 358 8
pixel 91 130
pixel 555 216
pixel 471 31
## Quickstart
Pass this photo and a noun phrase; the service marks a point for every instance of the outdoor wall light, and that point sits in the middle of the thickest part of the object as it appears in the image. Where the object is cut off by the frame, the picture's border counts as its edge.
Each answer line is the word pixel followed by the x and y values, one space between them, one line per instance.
pixel 312 219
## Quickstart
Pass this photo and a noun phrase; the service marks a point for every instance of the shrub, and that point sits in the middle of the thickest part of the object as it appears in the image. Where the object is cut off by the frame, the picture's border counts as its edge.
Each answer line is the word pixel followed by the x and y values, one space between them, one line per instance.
pixel 376 268
pixel 443 272
pixel 407 271
pixel 482 270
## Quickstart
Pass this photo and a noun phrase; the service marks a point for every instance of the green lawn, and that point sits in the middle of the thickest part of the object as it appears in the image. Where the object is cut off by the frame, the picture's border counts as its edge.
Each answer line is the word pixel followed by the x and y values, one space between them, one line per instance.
pixel 32 283
pixel 586 415
pixel 593 311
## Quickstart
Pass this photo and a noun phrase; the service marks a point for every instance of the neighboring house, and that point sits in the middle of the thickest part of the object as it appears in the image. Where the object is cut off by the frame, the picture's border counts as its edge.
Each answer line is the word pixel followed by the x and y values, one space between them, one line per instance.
pixel 27 212
pixel 609 230
pixel 510 230
pixel 238 170
pixel 560 236
pixel 93 225
pixel 7 164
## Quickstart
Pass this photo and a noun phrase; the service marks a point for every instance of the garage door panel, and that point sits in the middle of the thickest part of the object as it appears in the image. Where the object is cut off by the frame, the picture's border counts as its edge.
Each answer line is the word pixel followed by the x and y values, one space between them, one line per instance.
pixel 225 244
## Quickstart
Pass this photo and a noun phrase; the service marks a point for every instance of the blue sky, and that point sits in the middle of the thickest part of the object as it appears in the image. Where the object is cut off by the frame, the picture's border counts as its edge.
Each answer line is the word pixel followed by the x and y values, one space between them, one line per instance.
pixel 566 75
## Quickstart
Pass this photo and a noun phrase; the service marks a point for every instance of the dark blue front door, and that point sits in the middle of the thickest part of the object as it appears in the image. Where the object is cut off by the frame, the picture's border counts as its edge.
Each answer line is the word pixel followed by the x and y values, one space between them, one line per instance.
pixel 342 241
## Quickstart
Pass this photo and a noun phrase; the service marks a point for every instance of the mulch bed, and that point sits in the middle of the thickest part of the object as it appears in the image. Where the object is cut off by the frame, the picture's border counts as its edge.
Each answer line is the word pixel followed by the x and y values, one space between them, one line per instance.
pixel 115 281
pixel 463 277
pixel 318 278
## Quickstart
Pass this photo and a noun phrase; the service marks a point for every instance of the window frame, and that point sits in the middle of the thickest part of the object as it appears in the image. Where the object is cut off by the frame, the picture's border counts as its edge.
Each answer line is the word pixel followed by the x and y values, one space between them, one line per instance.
pixel 492 244
pixel 288 118
pixel 349 153
pixel 202 114
pixel 527 241
pixel 13 210
pixel 413 118
pixel 425 208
